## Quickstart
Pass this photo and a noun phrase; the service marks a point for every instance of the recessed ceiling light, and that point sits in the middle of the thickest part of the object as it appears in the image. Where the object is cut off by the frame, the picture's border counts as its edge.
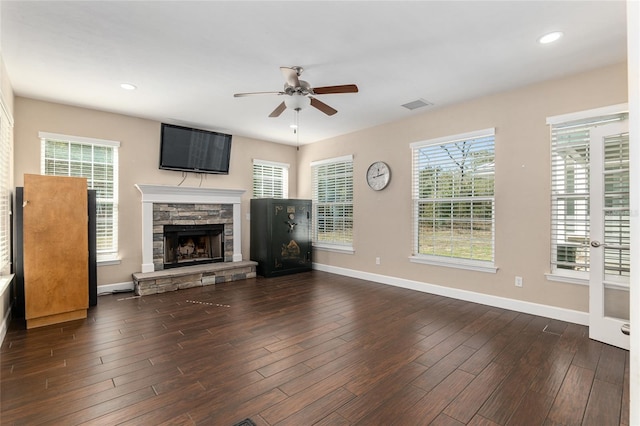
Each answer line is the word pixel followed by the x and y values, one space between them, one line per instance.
pixel 550 38
pixel 128 86
pixel 293 126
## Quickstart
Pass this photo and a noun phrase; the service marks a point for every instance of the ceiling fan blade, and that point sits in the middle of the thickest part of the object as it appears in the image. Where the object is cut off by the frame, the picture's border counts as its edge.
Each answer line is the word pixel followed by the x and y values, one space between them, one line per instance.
pixel 290 76
pixel 240 95
pixel 328 90
pixel 322 106
pixel 276 112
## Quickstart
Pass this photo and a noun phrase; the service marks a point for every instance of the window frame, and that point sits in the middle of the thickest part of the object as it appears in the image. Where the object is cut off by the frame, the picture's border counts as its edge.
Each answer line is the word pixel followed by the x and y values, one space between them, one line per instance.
pixel 283 181
pixel 555 273
pixel 335 246
pixel 450 261
pixel 104 257
pixel 6 187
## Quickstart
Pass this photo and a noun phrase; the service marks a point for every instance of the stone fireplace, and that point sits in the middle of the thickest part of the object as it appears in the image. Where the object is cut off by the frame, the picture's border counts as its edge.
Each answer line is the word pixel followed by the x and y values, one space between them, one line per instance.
pixel 188 234
pixel 177 206
pixel 191 237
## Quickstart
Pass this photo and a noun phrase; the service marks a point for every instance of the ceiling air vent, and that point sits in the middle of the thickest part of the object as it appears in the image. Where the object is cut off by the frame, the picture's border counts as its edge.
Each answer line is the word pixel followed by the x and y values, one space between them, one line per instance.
pixel 417 104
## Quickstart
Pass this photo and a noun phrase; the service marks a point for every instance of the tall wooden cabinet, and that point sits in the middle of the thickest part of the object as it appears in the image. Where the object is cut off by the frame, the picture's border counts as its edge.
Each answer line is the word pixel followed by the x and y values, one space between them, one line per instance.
pixel 280 236
pixel 55 249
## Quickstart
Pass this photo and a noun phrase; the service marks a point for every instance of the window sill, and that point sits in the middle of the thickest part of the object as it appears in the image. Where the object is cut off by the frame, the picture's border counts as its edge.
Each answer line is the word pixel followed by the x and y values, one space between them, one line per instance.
pixel 334 248
pixel 5 281
pixel 108 262
pixel 610 285
pixel 470 265
pixel 567 279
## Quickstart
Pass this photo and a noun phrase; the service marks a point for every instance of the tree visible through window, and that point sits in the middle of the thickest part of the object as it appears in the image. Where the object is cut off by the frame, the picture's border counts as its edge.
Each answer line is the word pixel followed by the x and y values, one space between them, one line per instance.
pixel 96 160
pixel 332 196
pixel 453 197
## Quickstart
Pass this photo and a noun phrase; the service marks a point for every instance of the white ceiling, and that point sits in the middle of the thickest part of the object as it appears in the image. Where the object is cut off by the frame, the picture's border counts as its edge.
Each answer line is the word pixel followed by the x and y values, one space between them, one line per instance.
pixel 189 58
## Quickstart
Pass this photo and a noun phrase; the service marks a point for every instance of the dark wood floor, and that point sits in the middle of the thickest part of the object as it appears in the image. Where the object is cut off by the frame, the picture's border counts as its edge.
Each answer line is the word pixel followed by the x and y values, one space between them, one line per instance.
pixel 312 348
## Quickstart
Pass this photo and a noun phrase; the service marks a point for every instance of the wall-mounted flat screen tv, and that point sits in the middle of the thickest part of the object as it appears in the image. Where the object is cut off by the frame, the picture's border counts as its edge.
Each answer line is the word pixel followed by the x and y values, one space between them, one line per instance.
pixel 194 150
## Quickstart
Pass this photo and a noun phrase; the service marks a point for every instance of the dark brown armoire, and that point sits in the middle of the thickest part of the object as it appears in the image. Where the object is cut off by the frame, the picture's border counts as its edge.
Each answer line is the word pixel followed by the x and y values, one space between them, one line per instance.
pixel 280 236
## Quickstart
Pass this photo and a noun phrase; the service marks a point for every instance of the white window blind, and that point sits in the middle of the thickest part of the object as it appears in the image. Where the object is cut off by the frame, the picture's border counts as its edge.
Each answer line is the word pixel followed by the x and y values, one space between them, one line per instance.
pixel 332 197
pixel 453 197
pixel 270 179
pixel 6 144
pixel 570 189
pixel 617 222
pixel 96 160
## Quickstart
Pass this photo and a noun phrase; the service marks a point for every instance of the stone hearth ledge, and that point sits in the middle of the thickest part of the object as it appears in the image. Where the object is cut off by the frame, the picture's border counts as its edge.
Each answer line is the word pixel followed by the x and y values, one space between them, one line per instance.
pixel 146 283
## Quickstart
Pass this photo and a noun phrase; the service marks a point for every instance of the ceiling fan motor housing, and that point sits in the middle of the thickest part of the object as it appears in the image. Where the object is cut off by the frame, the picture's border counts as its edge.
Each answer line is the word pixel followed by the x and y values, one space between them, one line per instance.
pixel 300 93
pixel 303 89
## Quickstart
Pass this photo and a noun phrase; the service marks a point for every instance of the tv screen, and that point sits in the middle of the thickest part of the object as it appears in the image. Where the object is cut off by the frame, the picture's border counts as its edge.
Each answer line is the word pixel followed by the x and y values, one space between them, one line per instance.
pixel 194 150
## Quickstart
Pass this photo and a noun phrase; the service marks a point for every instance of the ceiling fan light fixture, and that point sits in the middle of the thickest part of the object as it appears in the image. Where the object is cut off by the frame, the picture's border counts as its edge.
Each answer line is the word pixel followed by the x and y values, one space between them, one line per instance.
pixel 297 102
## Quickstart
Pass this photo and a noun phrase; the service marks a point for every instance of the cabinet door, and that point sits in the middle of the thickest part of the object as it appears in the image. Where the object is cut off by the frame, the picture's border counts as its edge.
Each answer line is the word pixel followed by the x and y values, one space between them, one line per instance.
pixel 290 233
pixel 55 249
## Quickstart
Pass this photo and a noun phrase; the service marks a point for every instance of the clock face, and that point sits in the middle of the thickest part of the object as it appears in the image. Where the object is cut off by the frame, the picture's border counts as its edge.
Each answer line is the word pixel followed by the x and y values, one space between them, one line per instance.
pixel 378 175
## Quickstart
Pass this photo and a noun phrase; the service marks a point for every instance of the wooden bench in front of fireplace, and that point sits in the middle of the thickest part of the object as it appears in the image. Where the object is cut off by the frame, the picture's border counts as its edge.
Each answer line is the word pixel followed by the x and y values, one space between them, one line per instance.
pixel 192 276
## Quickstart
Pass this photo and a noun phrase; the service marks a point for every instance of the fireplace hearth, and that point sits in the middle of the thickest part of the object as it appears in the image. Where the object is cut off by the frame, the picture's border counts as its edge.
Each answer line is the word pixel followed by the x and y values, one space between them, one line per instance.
pixel 193 244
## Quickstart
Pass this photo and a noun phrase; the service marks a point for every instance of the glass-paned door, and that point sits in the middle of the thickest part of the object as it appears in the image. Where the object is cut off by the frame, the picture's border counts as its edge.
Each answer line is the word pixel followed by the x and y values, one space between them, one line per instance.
pixel 610 234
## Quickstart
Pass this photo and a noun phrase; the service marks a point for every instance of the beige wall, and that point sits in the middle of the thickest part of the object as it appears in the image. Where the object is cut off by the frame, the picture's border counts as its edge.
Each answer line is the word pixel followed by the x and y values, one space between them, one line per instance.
pixel 5 88
pixel 139 154
pixel 382 220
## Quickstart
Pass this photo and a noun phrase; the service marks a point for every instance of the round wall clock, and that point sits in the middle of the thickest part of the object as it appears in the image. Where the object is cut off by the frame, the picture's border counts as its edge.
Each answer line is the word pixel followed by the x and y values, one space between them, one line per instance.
pixel 378 175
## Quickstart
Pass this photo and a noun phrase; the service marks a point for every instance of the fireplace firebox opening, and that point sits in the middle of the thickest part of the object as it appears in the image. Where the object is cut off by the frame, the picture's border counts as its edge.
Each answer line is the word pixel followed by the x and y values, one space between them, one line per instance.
pixel 193 244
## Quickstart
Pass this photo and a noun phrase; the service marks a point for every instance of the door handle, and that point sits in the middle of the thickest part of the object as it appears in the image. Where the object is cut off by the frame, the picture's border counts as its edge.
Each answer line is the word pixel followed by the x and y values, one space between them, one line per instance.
pixel 597 244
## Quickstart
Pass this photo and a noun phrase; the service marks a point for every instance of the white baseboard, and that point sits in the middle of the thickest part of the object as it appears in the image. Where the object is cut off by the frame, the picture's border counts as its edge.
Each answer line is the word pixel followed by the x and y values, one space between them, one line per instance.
pixel 115 288
pixel 562 314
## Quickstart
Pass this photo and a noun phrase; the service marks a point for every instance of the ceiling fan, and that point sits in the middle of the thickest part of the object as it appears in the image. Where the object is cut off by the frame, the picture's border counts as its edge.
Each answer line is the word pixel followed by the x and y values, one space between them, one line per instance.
pixel 300 93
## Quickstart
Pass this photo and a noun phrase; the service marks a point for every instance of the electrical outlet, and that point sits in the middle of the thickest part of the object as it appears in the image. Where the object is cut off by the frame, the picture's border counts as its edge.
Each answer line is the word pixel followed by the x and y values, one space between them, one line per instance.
pixel 377 260
pixel 518 281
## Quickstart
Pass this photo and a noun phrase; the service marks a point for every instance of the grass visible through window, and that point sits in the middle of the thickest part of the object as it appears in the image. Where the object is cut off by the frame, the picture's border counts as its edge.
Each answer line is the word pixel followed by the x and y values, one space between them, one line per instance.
pixel 454 242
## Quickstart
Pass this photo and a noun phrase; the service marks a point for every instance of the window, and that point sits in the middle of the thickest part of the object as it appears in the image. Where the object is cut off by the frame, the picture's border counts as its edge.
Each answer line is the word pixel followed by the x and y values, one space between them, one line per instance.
pixel 6 144
pixel 453 200
pixel 96 160
pixel 332 197
pixel 270 180
pixel 570 192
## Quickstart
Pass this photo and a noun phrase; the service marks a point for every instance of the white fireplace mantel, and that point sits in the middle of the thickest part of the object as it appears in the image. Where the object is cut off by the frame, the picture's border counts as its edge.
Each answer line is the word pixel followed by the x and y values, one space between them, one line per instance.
pixel 186 195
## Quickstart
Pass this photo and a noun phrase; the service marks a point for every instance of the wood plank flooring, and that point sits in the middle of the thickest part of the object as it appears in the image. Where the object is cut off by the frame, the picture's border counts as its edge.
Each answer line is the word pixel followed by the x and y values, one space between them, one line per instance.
pixel 309 349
